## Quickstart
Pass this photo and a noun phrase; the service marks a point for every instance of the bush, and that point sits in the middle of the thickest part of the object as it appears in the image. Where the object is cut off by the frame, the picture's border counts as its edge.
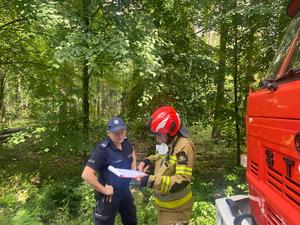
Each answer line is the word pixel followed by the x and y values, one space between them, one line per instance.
pixel 203 213
pixel 24 217
pixel 146 213
pixel 235 182
pixel 26 201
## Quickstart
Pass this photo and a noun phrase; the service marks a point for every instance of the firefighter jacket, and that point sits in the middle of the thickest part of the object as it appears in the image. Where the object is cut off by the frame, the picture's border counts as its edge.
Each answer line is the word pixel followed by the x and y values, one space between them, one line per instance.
pixel 173 173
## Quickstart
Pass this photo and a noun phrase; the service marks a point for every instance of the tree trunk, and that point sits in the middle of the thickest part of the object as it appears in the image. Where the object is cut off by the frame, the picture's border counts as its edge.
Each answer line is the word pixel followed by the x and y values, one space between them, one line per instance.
pixel 216 131
pixel 236 101
pixel 63 104
pixel 104 94
pixel 98 99
pixel 2 87
pixel 18 100
pixel 85 98
pixel 11 130
pixel 85 74
pixel 250 66
pixel 124 96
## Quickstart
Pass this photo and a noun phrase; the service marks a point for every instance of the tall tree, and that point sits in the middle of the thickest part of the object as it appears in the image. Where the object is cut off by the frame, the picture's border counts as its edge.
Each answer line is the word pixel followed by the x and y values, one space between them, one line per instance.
pixel 2 86
pixel 85 71
pixel 220 81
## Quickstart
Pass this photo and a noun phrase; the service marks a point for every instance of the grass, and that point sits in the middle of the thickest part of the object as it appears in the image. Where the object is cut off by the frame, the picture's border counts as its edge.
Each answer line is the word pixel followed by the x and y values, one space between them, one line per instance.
pixel 40 182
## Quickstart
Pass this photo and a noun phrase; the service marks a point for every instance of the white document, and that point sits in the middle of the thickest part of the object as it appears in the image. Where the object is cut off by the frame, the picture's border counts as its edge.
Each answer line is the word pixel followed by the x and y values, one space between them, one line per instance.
pixel 123 173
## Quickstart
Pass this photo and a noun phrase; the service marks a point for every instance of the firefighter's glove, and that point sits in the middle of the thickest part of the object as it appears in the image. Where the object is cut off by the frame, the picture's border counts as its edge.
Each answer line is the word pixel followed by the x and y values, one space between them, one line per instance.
pixel 144 181
pixel 147 181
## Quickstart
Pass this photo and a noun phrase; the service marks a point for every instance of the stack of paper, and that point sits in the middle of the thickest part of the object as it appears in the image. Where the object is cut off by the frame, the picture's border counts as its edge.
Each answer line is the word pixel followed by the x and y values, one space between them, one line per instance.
pixel 123 173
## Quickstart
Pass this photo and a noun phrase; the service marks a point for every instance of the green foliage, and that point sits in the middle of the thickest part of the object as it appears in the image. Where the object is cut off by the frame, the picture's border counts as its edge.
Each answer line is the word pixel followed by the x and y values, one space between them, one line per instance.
pixel 87 201
pixel 17 194
pixel 17 138
pixel 139 55
pixel 203 190
pixel 235 182
pixel 148 213
pixel 24 200
pixel 23 216
pixel 203 213
pixel 65 202
pixel 57 195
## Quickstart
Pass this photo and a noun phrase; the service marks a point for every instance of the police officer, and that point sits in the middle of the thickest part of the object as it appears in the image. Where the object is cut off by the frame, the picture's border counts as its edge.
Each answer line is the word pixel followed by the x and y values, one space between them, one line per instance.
pixel 173 168
pixel 111 192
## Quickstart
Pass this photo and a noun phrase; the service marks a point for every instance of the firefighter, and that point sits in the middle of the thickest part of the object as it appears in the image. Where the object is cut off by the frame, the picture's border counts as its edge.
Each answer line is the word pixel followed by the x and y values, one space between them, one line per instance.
pixel 111 192
pixel 173 168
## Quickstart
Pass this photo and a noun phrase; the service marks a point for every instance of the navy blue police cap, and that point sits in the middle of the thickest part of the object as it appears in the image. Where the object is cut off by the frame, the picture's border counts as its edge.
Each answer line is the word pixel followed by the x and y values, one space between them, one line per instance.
pixel 115 124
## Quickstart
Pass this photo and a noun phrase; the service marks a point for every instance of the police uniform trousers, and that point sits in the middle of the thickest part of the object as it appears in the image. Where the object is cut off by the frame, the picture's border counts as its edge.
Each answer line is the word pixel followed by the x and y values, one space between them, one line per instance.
pixel 122 202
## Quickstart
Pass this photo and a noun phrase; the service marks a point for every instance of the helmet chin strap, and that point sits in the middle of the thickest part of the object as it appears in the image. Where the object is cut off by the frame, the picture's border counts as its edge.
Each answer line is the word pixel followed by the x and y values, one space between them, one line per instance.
pixel 170 139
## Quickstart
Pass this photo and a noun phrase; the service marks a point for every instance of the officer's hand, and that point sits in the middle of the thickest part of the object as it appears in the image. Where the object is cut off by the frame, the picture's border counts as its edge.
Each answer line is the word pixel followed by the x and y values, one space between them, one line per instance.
pixel 108 191
pixel 141 166
pixel 138 178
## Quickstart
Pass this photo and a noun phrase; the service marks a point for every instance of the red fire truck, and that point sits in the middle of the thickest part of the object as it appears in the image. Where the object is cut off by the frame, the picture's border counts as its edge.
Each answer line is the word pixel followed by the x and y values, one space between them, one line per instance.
pixel 273 142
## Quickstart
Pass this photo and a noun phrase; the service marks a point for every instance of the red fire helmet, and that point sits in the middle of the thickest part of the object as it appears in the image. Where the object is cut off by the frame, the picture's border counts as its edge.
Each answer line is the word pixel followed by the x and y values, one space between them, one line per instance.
pixel 165 120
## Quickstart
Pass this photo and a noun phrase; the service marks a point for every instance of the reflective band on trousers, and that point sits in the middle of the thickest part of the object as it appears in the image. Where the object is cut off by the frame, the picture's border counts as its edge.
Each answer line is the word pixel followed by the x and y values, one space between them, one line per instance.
pixel 175 203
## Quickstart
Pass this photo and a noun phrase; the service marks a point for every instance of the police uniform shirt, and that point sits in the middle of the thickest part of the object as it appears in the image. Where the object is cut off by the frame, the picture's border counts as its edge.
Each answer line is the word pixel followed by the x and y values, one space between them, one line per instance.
pixel 106 154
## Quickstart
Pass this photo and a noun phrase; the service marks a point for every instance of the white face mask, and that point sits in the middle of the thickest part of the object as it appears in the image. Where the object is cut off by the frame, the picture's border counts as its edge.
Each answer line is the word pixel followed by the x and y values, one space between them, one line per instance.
pixel 162 149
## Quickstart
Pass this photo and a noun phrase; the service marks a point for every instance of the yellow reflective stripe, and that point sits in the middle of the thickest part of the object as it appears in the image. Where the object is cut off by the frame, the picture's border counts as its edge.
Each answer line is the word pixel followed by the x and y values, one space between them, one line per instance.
pixel 165 184
pixel 172 162
pixel 184 173
pixel 184 170
pixel 173 159
pixel 175 203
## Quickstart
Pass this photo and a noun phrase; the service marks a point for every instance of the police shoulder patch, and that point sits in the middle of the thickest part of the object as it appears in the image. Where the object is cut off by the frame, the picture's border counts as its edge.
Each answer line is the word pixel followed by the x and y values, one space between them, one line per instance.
pixel 104 144
pixel 91 161
pixel 181 158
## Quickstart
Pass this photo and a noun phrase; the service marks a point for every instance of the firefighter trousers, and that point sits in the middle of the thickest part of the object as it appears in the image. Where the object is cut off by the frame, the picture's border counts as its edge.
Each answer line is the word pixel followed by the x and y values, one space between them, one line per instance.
pixel 177 216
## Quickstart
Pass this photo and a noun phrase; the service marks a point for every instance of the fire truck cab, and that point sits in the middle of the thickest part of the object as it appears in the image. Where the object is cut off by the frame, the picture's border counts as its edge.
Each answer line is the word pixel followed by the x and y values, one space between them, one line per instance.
pixel 273 142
